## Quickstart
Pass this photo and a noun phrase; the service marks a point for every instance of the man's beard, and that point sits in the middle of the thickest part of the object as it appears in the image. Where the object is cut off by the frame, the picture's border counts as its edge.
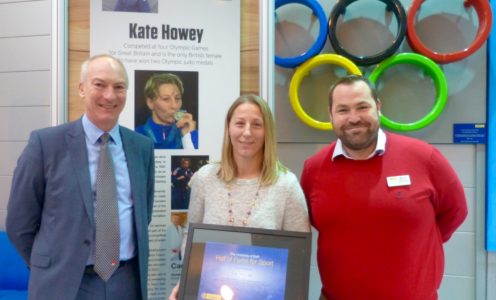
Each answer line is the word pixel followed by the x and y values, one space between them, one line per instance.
pixel 359 142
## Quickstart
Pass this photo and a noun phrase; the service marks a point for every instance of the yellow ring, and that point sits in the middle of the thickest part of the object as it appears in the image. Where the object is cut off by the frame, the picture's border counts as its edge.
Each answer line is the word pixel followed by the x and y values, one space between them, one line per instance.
pixel 302 71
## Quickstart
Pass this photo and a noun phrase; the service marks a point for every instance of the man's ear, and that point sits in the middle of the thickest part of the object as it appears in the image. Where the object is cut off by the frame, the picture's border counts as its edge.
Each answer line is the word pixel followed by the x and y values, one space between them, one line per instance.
pixel 330 113
pixel 379 105
pixel 81 90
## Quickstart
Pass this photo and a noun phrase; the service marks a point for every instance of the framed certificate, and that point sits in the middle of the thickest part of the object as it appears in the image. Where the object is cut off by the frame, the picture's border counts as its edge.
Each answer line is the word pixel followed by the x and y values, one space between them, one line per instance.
pixel 240 263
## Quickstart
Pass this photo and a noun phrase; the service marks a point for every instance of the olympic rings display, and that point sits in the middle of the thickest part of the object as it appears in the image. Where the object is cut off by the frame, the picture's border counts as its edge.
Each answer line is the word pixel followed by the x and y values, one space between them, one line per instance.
pixel 483 9
pixel 340 7
pixel 303 71
pixel 433 70
pixel 291 62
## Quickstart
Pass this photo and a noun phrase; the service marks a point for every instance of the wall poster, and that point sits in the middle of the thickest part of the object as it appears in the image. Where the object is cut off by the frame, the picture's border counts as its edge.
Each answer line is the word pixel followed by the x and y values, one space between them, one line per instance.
pixel 183 64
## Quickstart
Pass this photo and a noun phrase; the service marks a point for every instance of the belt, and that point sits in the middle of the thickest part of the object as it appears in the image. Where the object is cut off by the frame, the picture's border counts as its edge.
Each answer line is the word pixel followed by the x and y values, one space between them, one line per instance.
pixel 90 269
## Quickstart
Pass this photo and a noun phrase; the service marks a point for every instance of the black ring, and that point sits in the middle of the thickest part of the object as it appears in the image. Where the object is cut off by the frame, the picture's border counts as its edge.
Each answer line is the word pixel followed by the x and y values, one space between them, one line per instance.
pixel 339 9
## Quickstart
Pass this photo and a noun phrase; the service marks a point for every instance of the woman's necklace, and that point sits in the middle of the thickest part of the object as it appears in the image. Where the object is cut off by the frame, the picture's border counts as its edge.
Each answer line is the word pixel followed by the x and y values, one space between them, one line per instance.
pixel 244 221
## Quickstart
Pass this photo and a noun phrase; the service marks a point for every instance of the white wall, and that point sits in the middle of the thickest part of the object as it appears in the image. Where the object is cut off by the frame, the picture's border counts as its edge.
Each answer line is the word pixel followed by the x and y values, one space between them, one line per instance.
pixel 25 82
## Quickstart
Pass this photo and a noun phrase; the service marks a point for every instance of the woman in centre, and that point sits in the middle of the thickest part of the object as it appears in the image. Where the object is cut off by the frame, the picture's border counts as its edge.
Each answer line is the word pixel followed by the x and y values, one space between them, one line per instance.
pixel 249 186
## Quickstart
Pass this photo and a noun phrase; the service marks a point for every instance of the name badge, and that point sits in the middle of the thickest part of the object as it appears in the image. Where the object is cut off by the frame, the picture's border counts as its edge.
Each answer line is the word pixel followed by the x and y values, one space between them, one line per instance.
pixel 400 180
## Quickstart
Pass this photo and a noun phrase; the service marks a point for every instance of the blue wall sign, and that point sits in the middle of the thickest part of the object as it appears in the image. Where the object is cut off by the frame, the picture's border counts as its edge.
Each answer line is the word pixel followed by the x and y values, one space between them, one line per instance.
pixel 473 133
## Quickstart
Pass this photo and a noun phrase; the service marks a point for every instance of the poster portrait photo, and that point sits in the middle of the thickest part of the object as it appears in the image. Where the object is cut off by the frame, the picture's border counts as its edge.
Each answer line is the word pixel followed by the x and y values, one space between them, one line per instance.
pixel 166 108
pixel 182 169
pixel 143 6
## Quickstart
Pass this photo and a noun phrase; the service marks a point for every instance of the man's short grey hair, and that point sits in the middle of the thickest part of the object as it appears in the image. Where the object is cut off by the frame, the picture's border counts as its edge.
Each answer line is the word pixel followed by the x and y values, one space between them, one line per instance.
pixel 86 63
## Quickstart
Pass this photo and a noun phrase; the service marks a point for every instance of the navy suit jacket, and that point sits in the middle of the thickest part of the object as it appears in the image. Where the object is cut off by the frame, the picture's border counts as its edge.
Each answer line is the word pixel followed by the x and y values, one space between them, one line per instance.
pixel 50 214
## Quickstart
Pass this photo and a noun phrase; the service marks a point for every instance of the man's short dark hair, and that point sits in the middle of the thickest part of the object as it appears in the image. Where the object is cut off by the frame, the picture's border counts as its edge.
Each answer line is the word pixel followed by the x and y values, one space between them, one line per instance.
pixel 349 80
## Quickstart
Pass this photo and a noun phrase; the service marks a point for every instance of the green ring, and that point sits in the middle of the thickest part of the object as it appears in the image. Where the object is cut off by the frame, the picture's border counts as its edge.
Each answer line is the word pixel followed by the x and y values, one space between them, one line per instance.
pixel 433 70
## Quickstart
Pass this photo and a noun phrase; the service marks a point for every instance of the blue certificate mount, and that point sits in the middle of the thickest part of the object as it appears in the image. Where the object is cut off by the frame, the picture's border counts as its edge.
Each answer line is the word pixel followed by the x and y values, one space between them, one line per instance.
pixel 470 133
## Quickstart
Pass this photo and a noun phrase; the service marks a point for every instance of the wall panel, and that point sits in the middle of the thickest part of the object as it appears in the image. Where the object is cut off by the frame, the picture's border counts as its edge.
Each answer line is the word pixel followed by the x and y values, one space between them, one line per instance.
pixel 457 288
pixel 25 81
pixel 9 152
pixel 38 21
pixel 22 121
pixel 4 191
pixel 14 92
pixel 25 54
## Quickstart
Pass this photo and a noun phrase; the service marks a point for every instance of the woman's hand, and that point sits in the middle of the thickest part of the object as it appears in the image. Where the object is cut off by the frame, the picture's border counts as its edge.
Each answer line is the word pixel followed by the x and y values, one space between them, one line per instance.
pixel 186 124
pixel 174 293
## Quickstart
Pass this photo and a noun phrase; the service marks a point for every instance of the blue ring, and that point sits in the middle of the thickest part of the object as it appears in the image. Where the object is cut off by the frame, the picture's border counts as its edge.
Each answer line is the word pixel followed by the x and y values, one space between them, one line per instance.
pixel 291 62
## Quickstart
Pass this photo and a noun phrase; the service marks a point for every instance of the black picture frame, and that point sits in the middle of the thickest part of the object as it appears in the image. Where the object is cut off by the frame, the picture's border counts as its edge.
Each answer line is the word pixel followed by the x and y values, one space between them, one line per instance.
pixel 296 245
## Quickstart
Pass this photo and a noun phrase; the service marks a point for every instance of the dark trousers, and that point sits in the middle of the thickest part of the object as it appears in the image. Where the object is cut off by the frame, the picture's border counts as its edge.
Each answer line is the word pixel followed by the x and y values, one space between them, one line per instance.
pixel 123 285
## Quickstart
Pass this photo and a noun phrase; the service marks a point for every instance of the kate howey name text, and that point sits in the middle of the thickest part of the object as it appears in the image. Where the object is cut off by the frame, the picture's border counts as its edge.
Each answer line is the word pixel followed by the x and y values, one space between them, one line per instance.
pixel 166 32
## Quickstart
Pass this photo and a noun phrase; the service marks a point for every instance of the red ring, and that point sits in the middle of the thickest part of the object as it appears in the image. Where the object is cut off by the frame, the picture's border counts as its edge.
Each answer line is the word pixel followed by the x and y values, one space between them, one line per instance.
pixel 483 9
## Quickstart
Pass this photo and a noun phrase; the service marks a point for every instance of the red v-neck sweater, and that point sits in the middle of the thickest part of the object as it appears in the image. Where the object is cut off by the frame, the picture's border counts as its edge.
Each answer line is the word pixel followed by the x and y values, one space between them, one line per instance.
pixel 378 242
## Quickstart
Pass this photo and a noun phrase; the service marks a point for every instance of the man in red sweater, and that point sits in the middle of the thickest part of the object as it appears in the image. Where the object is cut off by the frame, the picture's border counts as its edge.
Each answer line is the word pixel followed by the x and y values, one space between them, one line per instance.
pixel 383 204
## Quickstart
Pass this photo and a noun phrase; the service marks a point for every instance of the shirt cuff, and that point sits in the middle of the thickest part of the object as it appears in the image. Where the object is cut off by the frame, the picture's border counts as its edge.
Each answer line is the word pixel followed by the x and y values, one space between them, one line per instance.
pixel 188 142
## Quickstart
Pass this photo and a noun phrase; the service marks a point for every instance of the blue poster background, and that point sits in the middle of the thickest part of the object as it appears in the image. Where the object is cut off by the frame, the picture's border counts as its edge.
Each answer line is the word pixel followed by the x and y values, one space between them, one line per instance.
pixel 250 272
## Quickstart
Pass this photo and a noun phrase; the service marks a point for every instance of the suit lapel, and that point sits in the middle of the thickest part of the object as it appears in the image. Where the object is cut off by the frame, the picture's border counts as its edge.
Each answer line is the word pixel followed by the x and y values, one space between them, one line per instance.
pixel 76 144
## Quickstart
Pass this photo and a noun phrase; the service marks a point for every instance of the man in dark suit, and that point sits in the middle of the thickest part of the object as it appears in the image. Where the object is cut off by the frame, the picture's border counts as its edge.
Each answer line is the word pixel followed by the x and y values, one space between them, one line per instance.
pixel 52 205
